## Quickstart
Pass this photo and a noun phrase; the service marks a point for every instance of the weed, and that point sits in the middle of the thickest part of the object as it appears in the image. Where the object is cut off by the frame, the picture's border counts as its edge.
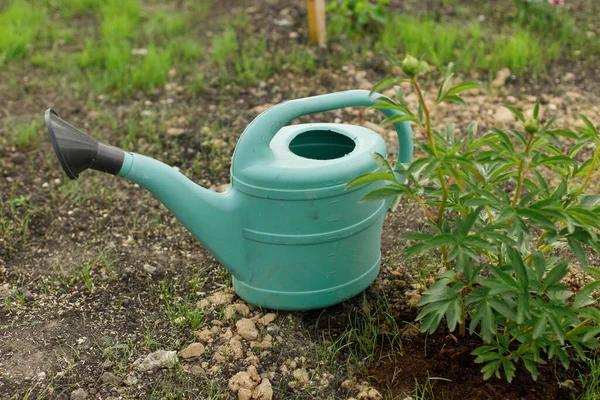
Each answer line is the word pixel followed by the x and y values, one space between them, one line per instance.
pixel 153 71
pixel 182 311
pixel 26 134
pixel 425 391
pixel 590 382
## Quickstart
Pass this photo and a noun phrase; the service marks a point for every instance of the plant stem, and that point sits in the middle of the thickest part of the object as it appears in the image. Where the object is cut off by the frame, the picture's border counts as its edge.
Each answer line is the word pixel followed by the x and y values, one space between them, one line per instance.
pixel 424 207
pixel 521 175
pixel 579 326
pixel 427 116
pixel 443 183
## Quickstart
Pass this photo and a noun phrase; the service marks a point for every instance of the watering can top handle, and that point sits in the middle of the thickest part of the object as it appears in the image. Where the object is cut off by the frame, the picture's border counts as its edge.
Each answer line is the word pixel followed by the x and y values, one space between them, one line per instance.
pixel 257 136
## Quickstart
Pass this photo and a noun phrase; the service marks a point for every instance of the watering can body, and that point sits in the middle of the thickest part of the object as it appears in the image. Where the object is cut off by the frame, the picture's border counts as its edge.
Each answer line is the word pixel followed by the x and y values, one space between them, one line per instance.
pixel 287 229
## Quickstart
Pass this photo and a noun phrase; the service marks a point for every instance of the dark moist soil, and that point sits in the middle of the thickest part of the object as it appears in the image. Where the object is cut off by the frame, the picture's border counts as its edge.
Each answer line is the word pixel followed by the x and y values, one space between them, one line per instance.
pixel 441 356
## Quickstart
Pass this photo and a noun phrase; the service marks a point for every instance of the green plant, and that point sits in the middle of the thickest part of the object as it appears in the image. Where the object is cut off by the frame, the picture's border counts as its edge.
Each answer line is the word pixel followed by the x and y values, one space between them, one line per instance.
pixel 590 382
pixel 499 208
pixel 20 22
pixel 355 17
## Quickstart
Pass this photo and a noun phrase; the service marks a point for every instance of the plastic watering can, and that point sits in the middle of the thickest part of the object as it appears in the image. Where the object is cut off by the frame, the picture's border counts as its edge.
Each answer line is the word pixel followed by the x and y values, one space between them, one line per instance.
pixel 290 234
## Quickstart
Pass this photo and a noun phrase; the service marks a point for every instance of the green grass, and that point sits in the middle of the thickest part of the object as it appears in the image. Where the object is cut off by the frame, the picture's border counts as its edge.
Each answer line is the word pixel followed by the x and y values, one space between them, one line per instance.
pixel 26 134
pixel 590 382
pixel 523 43
pixel 20 23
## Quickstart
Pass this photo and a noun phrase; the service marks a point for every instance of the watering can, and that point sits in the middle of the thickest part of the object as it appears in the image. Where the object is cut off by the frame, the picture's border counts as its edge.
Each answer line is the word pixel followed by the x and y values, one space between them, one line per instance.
pixel 289 232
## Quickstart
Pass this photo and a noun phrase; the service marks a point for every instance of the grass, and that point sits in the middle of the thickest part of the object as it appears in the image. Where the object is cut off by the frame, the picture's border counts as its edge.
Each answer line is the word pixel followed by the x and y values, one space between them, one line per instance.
pixel 590 382
pixel 19 26
pixel 525 42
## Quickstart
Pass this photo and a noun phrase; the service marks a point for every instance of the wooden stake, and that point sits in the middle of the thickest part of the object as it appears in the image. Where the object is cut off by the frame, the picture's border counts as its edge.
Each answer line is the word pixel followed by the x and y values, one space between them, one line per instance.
pixel 317 26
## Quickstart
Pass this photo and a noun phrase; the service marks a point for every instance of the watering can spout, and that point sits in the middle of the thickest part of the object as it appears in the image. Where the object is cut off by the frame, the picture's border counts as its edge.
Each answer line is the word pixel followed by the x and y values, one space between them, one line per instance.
pixel 209 216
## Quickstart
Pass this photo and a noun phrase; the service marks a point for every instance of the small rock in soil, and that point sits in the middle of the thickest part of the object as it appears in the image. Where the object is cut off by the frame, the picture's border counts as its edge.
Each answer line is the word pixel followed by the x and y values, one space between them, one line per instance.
pixel 236 309
pixel 273 328
pixel 247 329
pixel 175 131
pixel 79 394
pixel 244 394
pixel 241 380
pixel 197 370
pixel 18 158
pixel 158 359
pixel 264 391
pixel 267 319
pixel 110 379
pixel 204 335
pixel 131 379
pixel 192 351
pixel 301 374
pixel 253 373
pixel 503 115
pixel 501 77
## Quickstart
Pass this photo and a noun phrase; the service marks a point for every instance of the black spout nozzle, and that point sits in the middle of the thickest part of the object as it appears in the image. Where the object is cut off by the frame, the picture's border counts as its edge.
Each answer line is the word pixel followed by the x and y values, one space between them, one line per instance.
pixel 77 152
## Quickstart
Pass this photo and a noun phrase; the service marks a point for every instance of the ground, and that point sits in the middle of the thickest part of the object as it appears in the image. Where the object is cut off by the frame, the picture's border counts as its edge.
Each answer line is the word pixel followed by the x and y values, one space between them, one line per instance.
pixel 95 274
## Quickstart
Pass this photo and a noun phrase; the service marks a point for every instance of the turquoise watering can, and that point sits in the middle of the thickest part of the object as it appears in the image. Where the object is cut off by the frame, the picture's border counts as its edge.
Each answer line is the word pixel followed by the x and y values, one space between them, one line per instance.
pixel 290 234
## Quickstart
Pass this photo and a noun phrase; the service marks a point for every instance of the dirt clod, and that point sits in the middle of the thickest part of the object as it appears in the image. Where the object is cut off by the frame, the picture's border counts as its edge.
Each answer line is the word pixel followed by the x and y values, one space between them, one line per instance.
pixel 79 394
pixel 247 329
pixel 194 350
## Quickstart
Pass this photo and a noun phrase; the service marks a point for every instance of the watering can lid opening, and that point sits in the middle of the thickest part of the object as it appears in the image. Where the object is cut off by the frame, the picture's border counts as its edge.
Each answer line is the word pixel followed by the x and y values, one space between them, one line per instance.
pixel 310 161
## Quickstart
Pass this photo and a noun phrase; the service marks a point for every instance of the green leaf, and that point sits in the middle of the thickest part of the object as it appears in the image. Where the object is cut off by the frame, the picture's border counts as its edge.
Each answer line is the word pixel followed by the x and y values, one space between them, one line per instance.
pixel 491 369
pixel 531 367
pixel 503 308
pixel 386 82
pixel 461 87
pixel 382 162
pixel 540 327
pixel 517 263
pixel 560 334
pixel 536 109
pixel 537 218
pixel 509 369
pixel 555 275
pixel 583 299
pixel 515 112
pixel 371 177
pixel 381 194
pixel 442 88
pixel 399 118
pixel 455 99
pixel 578 251
pixel 590 126
pixel 591 334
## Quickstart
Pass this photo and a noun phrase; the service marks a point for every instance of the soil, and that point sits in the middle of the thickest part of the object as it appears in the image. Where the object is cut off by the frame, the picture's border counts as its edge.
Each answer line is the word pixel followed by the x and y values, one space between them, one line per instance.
pixel 63 336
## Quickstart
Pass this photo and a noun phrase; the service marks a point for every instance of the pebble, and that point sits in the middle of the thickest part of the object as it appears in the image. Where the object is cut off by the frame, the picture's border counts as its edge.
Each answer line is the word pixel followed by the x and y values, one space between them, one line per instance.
pixel 236 309
pixel 241 380
pixel 18 158
pixel 264 391
pixel 301 374
pixel 131 379
pixel 157 359
pixel 503 115
pixel 110 379
pixel 204 335
pixel 79 394
pixel 501 77
pixel 247 329
pixel 267 319
pixel 194 350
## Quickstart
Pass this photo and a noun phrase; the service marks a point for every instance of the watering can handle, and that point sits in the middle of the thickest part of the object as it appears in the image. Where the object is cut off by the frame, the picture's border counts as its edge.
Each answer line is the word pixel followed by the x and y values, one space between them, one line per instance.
pixel 257 136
